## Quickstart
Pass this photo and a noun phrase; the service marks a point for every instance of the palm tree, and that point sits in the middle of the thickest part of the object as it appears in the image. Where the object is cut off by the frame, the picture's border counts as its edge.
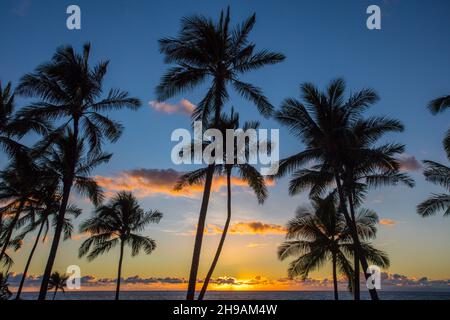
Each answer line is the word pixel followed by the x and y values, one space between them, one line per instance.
pixel 439 104
pixel 369 166
pixel 39 218
pixel 322 234
pixel 324 123
pixel 63 162
pixel 438 174
pixel 11 127
pixel 71 90
pixel 7 129
pixel 247 172
pixel 208 50
pixel 18 184
pixel 5 293
pixel 58 282
pixel 118 223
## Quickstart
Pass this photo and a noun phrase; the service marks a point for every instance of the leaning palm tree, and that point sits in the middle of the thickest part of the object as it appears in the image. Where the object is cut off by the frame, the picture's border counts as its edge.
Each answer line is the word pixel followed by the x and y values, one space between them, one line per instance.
pixel 323 121
pixel 39 217
pixel 209 50
pixel 63 162
pixel 322 234
pixel 118 223
pixel 245 171
pixel 71 90
pixel 57 282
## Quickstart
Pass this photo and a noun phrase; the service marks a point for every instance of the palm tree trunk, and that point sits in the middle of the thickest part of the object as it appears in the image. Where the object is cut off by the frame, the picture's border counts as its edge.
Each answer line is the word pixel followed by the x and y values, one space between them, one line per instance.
pixel 30 257
pixel 67 186
pixel 11 229
pixel 335 284
pixel 222 239
pixel 199 235
pixel 119 272
pixel 54 295
pixel 356 285
pixel 373 292
pixel 56 237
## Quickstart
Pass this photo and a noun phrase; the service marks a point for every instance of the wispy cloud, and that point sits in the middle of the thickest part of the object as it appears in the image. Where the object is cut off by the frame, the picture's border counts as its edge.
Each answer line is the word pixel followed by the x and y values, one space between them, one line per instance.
pixel 183 107
pixel 388 222
pixel 248 228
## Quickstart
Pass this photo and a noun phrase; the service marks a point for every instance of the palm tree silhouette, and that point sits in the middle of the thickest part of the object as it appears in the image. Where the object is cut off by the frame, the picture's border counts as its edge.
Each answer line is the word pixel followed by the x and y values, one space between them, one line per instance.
pixel 247 172
pixel 39 218
pixel 57 281
pixel 5 293
pixel 325 124
pixel 438 173
pixel 369 166
pixel 71 90
pixel 117 223
pixel 59 161
pixel 208 50
pixel 322 234
pixel 11 126
pixel 18 184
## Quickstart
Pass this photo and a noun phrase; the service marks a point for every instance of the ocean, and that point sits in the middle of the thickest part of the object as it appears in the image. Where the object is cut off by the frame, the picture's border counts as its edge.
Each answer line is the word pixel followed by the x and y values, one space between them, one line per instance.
pixel 240 295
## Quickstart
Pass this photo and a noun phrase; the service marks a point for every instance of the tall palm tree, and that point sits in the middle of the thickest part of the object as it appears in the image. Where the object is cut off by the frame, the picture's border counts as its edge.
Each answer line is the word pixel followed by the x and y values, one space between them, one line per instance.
pixel 71 90
pixel 57 282
pixel 63 162
pixel 322 234
pixel 369 166
pixel 208 50
pixel 39 218
pixel 324 123
pixel 118 223
pixel 247 172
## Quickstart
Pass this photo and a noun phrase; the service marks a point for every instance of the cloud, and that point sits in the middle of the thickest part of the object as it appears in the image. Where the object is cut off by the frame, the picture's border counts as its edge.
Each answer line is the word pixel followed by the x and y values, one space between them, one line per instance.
pixel 409 163
pixel 151 182
pixel 388 222
pixel 253 245
pixel 248 228
pixel 183 107
pixel 389 281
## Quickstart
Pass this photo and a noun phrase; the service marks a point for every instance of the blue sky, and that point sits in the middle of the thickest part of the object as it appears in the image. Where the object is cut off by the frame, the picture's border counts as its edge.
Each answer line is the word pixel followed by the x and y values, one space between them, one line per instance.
pixel 407 62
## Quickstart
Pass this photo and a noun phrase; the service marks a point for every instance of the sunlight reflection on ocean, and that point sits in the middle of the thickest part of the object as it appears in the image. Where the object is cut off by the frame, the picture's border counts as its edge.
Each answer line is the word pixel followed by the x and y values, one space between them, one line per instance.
pixel 240 295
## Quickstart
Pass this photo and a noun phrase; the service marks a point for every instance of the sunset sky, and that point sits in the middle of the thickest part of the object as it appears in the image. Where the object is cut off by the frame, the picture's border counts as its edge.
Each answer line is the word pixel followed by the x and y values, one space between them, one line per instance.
pixel 407 63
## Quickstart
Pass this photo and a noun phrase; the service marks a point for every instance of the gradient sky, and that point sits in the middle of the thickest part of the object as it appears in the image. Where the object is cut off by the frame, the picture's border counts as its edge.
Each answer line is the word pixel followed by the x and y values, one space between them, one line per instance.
pixel 407 62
